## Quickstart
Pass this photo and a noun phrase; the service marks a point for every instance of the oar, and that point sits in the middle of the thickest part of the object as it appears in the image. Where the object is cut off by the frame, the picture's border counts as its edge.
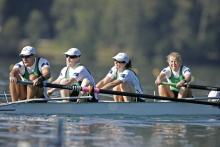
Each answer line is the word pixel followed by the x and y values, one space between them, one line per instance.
pixel 104 91
pixel 75 88
pixel 201 87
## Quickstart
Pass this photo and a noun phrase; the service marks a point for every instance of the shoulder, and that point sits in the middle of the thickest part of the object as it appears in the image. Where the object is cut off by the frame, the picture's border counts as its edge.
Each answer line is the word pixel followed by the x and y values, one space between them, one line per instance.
pixel 43 62
pixel 80 67
pixel 41 59
pixel 166 69
pixel 113 70
pixel 127 71
pixel 19 65
pixel 185 69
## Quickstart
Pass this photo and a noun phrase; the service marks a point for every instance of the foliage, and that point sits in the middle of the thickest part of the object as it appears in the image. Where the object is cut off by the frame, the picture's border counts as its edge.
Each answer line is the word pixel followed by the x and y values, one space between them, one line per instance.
pixel 148 29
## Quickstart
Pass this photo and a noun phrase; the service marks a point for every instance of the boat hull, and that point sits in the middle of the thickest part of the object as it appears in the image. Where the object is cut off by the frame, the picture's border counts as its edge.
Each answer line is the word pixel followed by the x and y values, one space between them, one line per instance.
pixel 109 108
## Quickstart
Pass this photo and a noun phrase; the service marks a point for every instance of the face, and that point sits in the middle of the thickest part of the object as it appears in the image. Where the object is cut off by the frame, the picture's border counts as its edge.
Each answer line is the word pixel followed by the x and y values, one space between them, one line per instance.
pixel 28 60
pixel 174 63
pixel 120 65
pixel 71 60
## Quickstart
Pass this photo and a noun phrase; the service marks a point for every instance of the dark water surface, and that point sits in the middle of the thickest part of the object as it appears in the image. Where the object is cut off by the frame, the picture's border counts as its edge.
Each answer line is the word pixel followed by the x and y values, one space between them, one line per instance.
pixel 112 131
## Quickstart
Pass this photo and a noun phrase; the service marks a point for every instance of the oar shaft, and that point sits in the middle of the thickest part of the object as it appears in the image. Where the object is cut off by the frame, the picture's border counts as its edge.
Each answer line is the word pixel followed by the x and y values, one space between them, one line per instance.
pixel 104 91
pixel 156 97
pixel 201 87
pixel 47 85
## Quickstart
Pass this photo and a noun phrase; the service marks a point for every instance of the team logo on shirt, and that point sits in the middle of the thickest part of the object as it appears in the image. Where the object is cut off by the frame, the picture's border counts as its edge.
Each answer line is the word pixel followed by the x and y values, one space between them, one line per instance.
pixel 44 64
pixel 164 70
pixel 122 75
pixel 19 65
pixel 76 74
pixel 187 70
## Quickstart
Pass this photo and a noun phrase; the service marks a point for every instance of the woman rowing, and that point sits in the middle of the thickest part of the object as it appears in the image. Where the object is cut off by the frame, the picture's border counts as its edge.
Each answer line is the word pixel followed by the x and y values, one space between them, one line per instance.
pixel 33 68
pixel 74 73
pixel 177 77
pixel 121 78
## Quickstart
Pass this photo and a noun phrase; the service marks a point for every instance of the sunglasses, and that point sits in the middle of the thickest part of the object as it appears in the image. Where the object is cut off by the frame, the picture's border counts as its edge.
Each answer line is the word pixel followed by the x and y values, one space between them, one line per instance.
pixel 72 57
pixel 22 56
pixel 120 61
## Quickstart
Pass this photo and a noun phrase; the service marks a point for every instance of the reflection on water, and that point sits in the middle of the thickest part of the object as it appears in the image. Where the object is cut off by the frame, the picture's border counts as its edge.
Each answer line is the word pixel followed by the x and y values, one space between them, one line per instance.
pixel 123 131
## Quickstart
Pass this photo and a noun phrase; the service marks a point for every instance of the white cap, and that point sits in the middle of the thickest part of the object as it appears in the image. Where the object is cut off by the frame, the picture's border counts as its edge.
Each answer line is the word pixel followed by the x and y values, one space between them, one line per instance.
pixel 121 57
pixel 73 52
pixel 28 50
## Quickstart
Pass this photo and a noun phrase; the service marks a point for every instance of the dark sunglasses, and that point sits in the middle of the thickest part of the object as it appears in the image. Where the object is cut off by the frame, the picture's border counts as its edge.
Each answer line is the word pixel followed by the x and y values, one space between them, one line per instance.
pixel 72 57
pixel 22 56
pixel 120 61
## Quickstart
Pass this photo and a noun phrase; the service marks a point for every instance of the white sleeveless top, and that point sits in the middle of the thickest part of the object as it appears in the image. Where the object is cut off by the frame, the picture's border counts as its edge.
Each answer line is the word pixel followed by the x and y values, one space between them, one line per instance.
pixel 126 76
pixel 42 63
pixel 78 73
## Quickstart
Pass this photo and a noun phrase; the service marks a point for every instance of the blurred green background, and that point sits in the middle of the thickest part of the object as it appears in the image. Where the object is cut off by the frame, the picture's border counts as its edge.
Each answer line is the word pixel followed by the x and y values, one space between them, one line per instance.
pixel 146 29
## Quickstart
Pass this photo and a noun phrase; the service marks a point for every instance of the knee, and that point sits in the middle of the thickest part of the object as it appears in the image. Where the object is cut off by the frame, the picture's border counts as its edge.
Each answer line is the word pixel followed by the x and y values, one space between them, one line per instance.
pixel 85 82
pixel 117 88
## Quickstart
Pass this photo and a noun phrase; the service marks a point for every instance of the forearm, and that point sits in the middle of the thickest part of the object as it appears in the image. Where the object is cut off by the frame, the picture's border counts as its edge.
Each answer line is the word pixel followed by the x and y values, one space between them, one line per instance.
pixel 100 84
pixel 187 78
pixel 13 72
pixel 112 84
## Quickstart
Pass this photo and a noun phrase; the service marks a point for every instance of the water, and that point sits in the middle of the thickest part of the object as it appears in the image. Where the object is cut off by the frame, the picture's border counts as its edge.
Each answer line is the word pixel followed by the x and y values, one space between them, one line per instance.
pixel 110 131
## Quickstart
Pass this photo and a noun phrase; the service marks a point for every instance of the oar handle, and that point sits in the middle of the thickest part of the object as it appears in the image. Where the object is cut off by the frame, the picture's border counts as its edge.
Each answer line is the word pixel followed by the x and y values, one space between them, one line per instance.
pixel 45 84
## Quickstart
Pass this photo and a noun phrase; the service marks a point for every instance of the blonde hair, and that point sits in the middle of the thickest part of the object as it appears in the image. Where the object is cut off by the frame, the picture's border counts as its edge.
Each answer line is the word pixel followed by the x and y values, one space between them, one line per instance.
pixel 175 55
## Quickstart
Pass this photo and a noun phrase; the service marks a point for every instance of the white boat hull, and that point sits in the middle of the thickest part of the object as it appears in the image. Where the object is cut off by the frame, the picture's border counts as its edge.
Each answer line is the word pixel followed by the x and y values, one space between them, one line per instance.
pixel 108 108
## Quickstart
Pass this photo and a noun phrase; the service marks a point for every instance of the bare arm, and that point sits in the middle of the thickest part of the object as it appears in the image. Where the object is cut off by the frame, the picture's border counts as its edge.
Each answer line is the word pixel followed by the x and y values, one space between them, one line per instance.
pixel 187 78
pixel 160 78
pixel 13 75
pixel 103 82
pixel 112 84
pixel 45 75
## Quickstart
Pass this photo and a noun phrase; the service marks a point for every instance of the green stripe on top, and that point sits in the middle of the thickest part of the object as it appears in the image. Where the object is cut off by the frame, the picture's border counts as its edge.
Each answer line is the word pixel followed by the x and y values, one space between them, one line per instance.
pixel 36 71
pixel 175 80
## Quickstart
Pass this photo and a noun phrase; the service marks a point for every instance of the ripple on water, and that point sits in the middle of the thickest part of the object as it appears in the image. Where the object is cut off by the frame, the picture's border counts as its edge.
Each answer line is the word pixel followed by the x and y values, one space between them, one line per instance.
pixel 107 130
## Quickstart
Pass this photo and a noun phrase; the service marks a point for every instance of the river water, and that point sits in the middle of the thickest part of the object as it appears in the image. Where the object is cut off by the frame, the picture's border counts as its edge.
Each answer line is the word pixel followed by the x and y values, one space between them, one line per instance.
pixel 105 130
pixel 109 131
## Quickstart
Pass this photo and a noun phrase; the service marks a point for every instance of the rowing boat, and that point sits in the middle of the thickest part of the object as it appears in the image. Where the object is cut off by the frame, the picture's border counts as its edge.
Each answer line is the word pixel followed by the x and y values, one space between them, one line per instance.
pixel 57 107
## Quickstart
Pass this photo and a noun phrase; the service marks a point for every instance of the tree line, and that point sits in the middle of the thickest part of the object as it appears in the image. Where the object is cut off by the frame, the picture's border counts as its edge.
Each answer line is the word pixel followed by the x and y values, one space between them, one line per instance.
pixel 150 28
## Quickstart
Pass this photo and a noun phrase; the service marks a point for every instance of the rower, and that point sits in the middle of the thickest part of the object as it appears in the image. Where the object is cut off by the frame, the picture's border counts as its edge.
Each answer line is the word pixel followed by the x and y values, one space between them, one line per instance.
pixel 177 74
pixel 31 68
pixel 74 73
pixel 121 78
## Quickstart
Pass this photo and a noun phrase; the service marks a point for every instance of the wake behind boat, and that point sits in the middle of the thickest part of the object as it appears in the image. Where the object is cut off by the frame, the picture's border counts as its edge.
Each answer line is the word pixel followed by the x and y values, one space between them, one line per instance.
pixel 57 107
